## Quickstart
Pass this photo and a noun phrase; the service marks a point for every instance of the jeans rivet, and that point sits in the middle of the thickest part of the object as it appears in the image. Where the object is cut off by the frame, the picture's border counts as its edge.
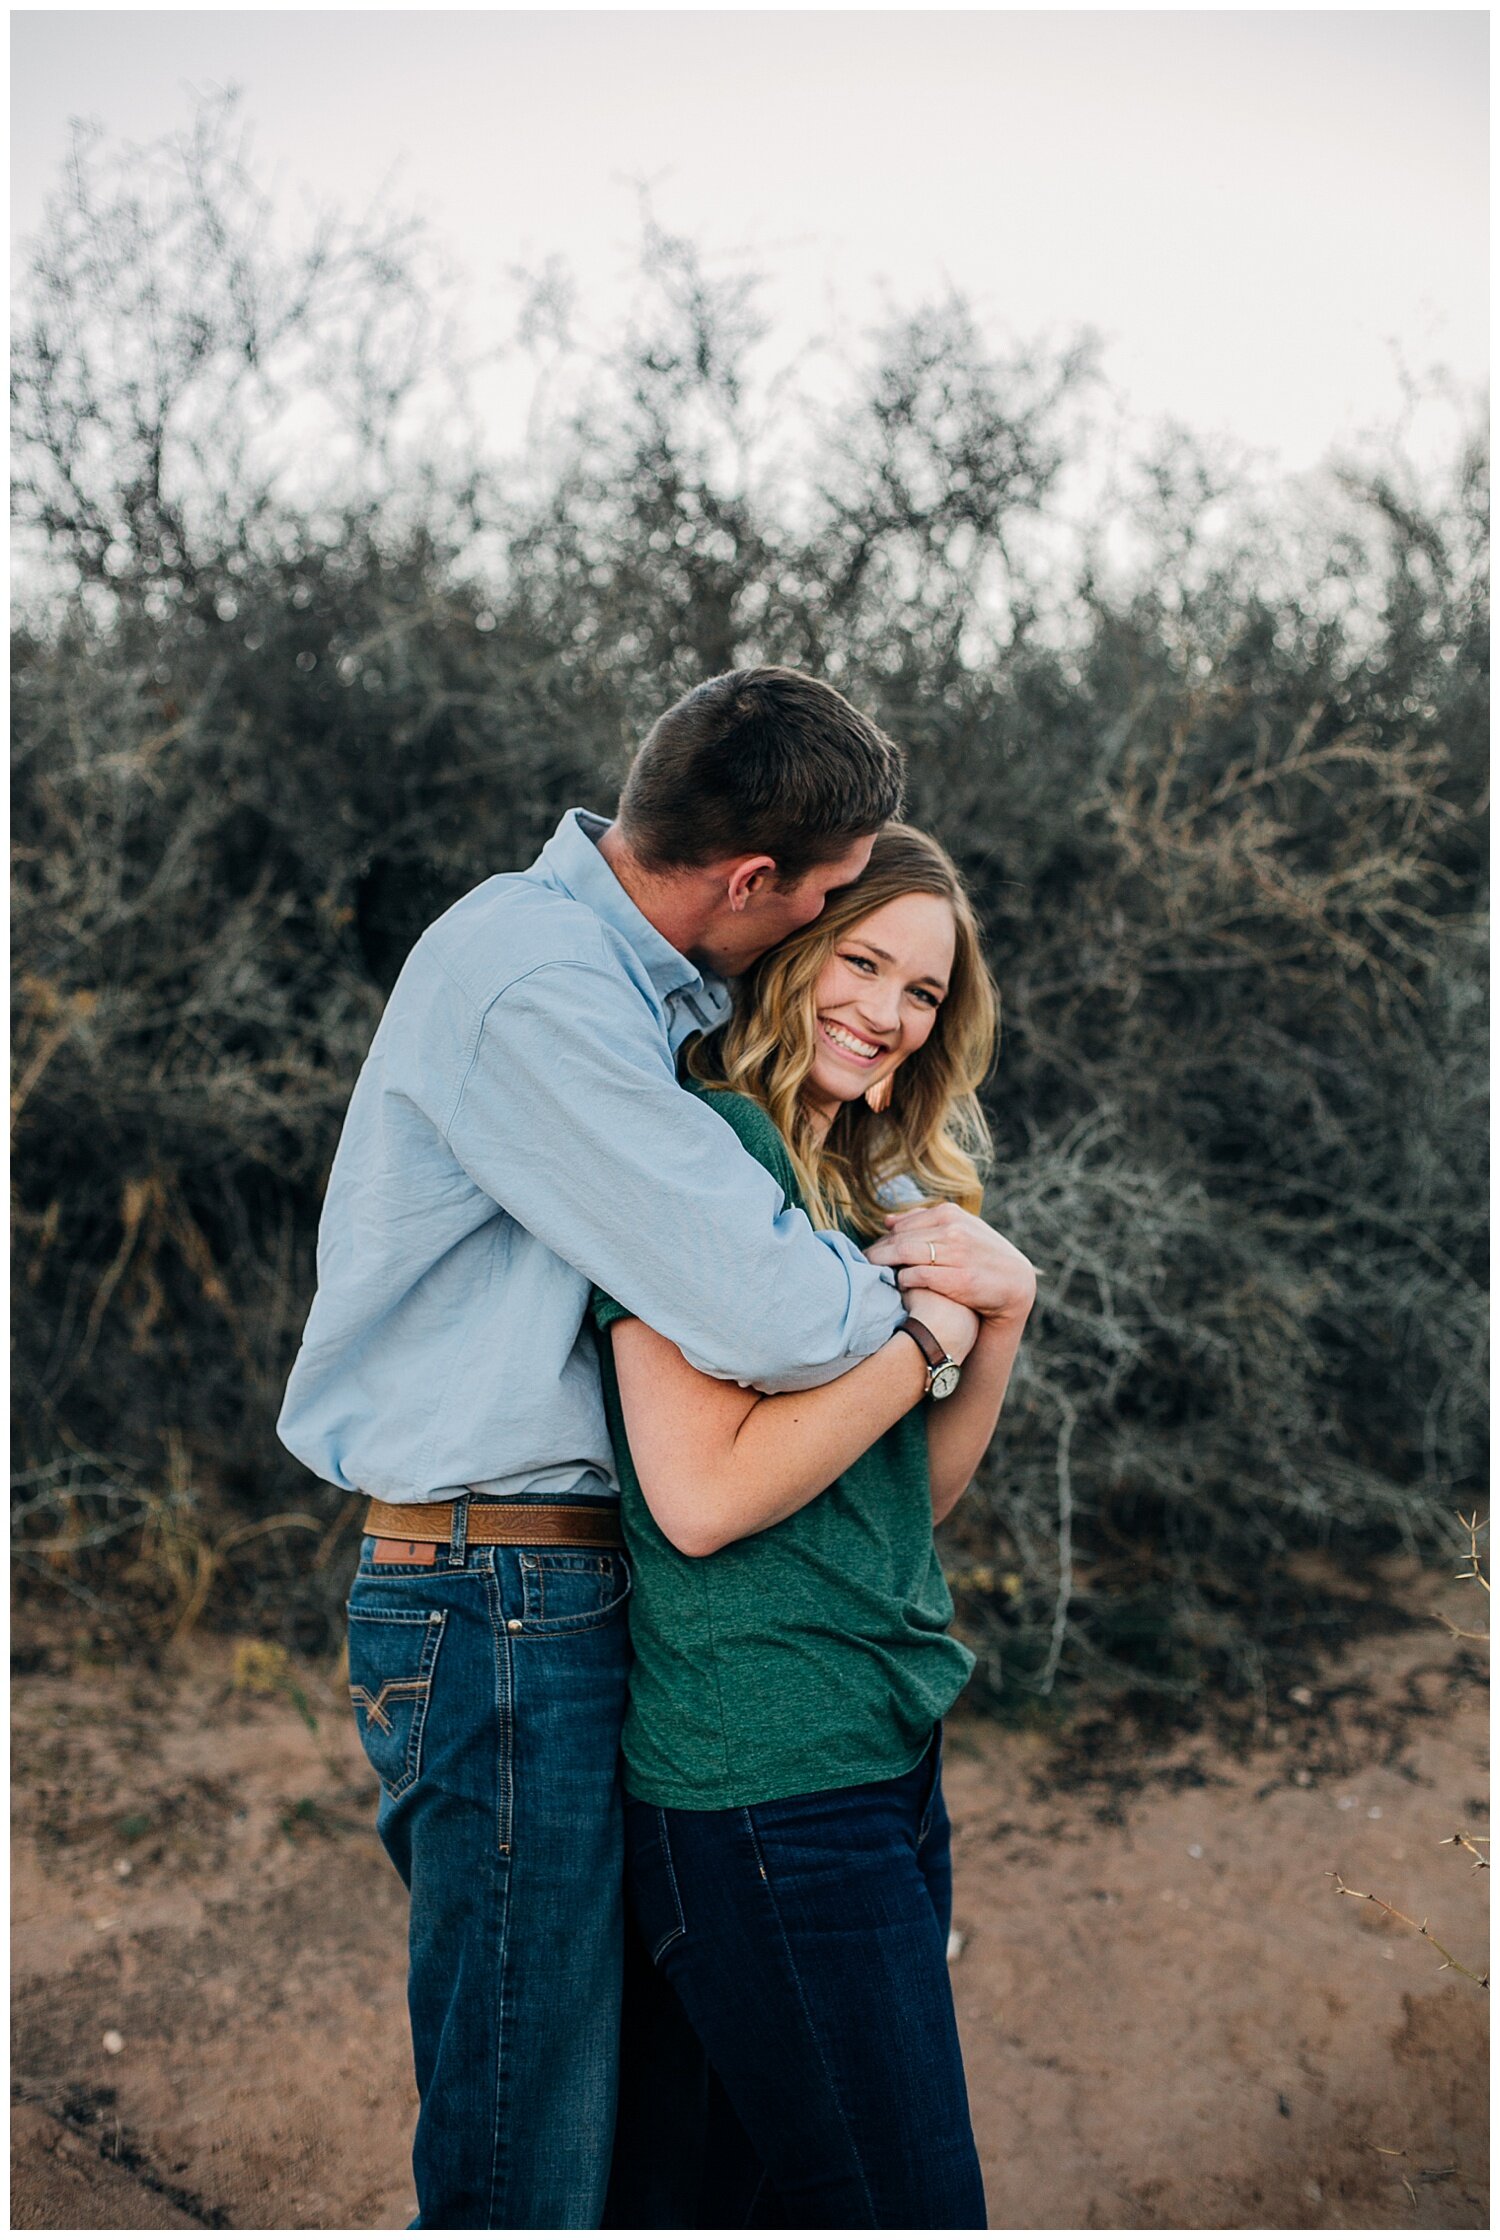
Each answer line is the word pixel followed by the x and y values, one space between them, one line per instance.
pixel 512 1625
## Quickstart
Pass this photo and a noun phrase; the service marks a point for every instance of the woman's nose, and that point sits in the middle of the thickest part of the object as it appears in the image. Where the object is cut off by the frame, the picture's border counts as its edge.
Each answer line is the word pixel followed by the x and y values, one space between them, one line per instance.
pixel 880 1009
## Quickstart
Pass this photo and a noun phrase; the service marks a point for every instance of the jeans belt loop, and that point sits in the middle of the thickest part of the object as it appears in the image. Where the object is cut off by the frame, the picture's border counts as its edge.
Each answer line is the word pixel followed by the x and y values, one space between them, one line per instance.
pixel 458 1541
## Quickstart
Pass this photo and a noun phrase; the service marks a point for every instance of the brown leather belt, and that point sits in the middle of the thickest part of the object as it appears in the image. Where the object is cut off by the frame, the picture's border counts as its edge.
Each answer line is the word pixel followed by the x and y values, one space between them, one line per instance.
pixel 495 1524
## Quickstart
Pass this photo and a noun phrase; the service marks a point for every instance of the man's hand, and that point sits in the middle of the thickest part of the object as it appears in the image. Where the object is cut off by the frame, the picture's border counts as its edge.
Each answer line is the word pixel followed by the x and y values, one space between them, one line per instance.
pixel 942 1248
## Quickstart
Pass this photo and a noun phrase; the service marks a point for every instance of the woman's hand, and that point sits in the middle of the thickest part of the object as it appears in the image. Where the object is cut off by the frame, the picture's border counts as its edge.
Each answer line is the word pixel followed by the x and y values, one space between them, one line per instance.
pixel 943 1249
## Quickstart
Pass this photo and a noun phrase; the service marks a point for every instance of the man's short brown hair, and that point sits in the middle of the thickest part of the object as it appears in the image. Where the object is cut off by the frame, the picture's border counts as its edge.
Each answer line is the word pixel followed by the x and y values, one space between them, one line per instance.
pixel 759 762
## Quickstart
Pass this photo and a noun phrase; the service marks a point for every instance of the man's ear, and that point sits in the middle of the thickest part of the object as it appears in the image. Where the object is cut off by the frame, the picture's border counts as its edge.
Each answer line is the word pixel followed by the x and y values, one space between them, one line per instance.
pixel 747 878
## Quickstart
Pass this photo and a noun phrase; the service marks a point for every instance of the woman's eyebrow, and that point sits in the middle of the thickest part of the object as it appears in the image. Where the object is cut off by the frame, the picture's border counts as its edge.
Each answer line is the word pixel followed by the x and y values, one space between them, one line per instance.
pixel 930 979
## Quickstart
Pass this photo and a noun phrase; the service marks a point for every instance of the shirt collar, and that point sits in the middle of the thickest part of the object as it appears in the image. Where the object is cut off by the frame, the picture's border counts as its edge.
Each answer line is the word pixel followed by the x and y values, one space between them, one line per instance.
pixel 572 861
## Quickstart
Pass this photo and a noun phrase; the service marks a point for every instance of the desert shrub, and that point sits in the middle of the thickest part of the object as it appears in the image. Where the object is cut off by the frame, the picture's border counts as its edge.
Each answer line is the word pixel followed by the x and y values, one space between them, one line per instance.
pixel 277 703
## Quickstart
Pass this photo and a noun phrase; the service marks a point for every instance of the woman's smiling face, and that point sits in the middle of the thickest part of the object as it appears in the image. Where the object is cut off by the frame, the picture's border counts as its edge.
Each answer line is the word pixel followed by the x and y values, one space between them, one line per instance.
pixel 877 997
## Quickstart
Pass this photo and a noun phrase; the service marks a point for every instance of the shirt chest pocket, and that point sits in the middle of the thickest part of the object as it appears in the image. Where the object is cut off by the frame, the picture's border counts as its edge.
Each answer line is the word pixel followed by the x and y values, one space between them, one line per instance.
pixel 568 1591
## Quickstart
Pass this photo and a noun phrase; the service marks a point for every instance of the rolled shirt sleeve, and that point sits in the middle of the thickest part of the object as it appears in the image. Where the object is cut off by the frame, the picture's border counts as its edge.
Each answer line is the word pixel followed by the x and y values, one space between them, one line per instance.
pixel 569 1118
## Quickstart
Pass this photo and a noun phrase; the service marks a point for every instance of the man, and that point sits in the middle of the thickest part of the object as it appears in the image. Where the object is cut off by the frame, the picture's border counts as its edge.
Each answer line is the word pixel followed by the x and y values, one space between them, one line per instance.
pixel 502 1153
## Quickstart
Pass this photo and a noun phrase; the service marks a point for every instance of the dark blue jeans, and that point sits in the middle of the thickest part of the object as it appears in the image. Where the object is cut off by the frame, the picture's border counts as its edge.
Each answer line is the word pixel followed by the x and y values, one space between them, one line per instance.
pixel 490 1699
pixel 791 2054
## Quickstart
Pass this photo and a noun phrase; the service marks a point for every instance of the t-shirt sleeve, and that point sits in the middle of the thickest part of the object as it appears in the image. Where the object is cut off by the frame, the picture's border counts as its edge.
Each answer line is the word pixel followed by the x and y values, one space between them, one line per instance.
pixel 606 1310
pixel 760 1137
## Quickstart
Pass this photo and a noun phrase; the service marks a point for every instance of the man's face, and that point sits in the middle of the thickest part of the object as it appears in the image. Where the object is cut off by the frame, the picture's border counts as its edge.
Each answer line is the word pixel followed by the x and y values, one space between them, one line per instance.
pixel 771 912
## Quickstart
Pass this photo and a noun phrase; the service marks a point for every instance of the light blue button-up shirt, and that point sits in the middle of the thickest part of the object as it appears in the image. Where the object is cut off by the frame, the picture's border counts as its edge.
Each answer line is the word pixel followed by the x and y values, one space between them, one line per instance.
pixel 516 1135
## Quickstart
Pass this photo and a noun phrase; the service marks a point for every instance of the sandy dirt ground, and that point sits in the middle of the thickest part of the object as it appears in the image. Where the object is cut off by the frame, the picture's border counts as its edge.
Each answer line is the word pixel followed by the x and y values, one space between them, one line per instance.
pixel 1171 2018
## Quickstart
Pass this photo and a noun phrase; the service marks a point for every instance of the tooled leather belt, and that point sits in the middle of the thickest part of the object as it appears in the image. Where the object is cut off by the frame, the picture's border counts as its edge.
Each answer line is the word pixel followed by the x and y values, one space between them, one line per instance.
pixel 427 1525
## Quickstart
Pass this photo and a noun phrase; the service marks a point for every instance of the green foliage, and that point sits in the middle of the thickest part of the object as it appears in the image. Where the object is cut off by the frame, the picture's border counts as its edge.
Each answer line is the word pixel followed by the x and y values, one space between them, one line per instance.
pixel 277 704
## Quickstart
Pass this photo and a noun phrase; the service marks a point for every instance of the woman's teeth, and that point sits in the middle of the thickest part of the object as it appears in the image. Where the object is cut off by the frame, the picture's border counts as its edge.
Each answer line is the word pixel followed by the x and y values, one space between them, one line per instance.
pixel 841 1039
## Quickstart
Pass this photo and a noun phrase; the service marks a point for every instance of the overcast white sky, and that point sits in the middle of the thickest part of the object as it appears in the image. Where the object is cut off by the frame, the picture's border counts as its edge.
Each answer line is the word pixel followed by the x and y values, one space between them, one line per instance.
pixel 1257 211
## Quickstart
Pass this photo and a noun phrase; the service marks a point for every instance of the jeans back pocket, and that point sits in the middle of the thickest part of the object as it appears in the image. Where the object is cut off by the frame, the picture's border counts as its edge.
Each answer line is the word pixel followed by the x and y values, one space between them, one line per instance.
pixel 392 1654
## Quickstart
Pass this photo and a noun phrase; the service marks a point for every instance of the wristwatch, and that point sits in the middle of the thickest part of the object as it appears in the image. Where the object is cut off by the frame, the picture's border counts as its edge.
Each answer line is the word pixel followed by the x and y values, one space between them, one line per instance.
pixel 942 1369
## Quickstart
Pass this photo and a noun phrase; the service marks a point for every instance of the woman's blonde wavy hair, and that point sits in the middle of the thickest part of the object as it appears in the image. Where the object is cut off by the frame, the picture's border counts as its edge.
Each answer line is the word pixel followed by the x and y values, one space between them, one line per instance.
pixel 934 1128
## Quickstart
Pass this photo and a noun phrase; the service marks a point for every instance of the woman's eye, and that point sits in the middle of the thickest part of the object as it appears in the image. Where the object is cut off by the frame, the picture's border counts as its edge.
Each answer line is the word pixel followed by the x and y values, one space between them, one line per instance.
pixel 866 964
pixel 925 995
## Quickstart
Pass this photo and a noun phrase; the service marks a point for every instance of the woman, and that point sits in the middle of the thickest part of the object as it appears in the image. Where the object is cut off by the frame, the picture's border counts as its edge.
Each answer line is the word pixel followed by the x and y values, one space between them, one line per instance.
pixel 787 1847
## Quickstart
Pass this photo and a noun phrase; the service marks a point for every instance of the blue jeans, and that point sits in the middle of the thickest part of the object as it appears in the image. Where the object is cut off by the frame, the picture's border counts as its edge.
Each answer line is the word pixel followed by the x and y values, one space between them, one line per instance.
pixel 791 2052
pixel 489 1700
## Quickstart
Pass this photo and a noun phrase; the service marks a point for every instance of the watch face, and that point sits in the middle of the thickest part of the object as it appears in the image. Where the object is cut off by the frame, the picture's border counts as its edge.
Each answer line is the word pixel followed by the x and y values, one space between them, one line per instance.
pixel 944 1380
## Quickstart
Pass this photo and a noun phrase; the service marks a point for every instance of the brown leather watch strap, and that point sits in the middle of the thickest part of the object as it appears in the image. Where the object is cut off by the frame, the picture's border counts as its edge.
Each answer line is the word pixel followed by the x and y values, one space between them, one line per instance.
pixel 934 1352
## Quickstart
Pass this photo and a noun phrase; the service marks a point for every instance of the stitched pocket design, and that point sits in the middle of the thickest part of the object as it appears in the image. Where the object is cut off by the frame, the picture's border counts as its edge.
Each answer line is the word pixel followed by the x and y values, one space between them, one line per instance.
pixel 392 1655
pixel 570 1592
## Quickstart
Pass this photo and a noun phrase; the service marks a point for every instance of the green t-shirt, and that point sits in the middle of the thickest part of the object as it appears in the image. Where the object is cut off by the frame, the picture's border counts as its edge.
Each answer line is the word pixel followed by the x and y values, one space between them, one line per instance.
pixel 811 1656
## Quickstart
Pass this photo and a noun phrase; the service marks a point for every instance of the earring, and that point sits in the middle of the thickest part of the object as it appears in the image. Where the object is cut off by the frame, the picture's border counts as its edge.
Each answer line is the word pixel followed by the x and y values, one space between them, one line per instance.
pixel 878 1097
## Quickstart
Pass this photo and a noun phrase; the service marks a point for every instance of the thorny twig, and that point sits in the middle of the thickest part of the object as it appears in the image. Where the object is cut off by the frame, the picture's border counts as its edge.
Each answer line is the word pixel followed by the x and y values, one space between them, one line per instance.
pixel 1477 1855
pixel 1458 1633
pixel 1439 2175
pixel 1475 1570
pixel 1345 1890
